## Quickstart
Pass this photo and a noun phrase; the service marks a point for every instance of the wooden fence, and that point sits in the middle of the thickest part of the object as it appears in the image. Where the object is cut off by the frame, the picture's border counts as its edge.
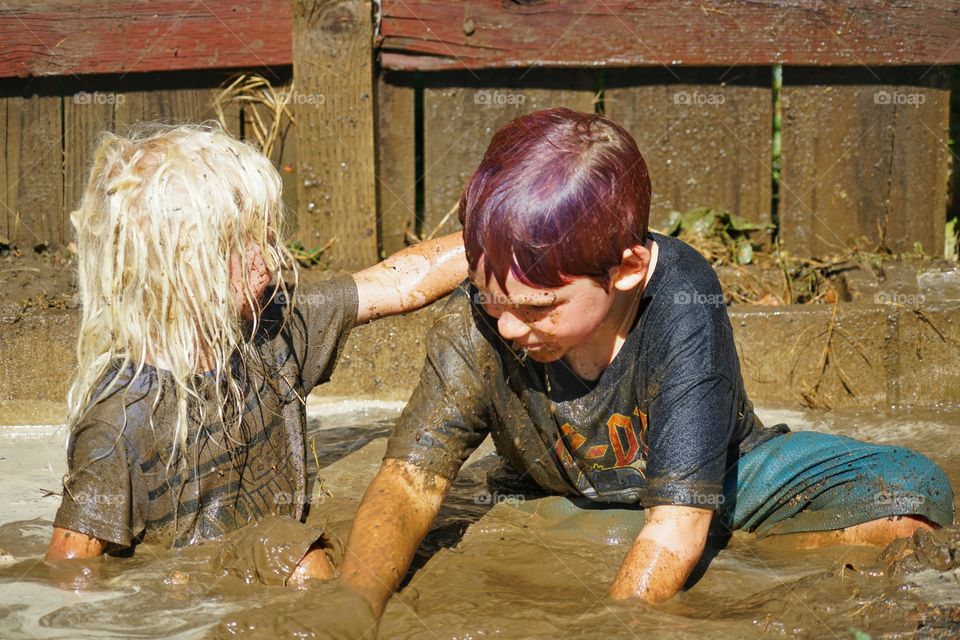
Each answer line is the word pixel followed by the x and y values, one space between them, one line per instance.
pixel 386 135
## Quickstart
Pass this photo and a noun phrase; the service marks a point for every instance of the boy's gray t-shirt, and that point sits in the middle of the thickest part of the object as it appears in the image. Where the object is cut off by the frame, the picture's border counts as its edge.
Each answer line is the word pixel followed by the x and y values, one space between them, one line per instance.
pixel 662 425
pixel 118 487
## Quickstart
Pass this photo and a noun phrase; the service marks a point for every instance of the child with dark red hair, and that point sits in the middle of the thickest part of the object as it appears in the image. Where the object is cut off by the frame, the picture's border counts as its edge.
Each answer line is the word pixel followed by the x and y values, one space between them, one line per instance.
pixel 601 359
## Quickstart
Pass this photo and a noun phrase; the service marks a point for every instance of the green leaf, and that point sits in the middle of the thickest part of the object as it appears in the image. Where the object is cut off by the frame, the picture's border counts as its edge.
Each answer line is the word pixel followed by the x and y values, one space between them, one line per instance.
pixel 699 221
pixel 950 240
pixel 857 634
pixel 744 251
pixel 738 223
pixel 673 223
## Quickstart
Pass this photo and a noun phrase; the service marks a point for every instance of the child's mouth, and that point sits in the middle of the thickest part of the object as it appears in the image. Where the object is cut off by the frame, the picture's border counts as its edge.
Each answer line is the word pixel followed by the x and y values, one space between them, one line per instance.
pixel 538 352
pixel 527 347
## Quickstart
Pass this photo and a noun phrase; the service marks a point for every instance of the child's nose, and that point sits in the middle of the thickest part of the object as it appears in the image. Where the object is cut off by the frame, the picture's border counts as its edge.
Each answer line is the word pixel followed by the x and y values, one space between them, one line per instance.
pixel 510 326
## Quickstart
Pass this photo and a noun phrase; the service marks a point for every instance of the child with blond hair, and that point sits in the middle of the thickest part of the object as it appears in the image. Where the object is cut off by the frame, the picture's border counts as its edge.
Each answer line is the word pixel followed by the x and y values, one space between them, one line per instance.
pixel 197 348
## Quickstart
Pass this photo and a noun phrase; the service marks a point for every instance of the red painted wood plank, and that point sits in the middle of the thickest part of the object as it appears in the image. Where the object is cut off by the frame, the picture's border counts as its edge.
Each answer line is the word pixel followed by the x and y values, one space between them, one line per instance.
pixel 63 37
pixel 443 34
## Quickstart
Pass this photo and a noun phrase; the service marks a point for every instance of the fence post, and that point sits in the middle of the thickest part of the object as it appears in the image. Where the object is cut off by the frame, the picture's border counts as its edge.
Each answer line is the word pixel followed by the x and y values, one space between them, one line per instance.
pixel 31 168
pixel 334 111
pixel 865 156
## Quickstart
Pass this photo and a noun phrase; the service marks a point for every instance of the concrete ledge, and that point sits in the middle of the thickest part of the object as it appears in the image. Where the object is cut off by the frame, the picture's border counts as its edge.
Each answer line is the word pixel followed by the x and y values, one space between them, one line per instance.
pixel 879 356
pixel 869 356
pixel 924 357
pixel 785 358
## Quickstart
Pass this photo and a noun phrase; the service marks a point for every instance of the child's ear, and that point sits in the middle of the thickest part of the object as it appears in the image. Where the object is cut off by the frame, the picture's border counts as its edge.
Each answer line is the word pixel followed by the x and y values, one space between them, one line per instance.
pixel 633 268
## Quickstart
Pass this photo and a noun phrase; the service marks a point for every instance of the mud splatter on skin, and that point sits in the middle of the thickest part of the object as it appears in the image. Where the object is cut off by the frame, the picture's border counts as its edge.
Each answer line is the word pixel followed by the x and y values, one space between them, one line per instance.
pixel 655 580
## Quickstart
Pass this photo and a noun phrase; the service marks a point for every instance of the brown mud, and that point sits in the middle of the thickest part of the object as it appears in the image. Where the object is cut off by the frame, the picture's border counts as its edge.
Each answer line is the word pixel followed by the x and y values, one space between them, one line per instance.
pixel 503 566
pixel 36 280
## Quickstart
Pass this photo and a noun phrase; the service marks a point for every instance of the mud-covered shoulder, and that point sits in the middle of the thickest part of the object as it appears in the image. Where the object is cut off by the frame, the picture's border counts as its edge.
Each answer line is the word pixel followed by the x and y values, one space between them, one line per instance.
pixel 461 322
pixel 304 331
pixel 447 415
pixel 123 400
pixel 686 327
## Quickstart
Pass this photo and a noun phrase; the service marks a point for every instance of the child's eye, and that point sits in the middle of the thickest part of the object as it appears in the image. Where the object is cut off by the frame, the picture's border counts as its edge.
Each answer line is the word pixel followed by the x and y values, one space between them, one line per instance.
pixel 536 311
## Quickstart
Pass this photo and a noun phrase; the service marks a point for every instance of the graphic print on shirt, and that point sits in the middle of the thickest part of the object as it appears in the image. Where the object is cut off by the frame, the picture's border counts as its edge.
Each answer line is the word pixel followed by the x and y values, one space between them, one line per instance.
pixel 610 458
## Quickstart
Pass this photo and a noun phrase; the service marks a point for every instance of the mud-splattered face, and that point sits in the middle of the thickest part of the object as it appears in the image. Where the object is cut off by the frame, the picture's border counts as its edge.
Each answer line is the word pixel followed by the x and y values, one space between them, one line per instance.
pixel 544 323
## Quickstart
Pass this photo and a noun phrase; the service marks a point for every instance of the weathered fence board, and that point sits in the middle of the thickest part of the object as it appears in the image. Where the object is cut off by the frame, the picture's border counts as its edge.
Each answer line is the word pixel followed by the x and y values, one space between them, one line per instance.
pixel 33 170
pixel 72 37
pixel 171 106
pixel 6 214
pixel 396 161
pixel 43 169
pixel 864 156
pixel 335 134
pixel 84 117
pixel 52 37
pixel 284 156
pixel 284 151
pixel 49 131
pixel 853 166
pixel 705 135
pixel 117 106
pixel 462 111
pixel 436 34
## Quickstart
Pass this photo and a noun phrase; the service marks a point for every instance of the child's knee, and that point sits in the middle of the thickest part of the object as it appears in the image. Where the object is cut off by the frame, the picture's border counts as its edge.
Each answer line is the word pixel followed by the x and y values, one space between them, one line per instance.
pixel 883 531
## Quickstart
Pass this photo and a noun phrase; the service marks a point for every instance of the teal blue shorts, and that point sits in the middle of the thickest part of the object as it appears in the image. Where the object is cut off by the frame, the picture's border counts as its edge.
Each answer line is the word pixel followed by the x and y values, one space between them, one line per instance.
pixel 796 482
pixel 807 481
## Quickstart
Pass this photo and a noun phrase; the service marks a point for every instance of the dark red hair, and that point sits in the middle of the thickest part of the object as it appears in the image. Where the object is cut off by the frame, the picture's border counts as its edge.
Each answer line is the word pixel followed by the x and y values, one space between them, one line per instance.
pixel 558 194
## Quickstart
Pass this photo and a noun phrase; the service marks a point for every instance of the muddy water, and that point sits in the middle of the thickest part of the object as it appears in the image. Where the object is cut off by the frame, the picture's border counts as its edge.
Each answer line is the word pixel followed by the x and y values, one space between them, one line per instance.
pixel 513 569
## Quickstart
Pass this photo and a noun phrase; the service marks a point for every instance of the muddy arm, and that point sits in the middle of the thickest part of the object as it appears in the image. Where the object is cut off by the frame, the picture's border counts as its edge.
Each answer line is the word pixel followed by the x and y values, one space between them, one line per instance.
pixel 411 278
pixel 67 544
pixel 666 551
pixel 394 516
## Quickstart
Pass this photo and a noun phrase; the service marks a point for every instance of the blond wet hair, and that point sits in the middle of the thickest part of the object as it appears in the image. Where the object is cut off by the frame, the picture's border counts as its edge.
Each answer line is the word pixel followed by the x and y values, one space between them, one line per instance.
pixel 165 211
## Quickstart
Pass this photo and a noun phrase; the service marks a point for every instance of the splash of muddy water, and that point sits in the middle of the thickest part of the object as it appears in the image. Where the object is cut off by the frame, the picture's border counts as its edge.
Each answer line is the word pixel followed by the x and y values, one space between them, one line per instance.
pixel 491 567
